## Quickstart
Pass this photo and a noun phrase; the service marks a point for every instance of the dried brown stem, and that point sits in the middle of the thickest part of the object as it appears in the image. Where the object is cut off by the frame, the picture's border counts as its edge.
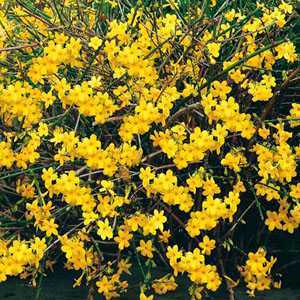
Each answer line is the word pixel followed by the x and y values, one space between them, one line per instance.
pixel 223 273
pixel 18 47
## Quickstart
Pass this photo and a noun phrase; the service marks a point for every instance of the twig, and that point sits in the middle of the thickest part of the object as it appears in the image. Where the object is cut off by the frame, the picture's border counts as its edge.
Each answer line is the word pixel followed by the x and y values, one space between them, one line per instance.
pixel 238 220
pixel 57 240
pixel 19 47
pixel 151 155
pixel 182 225
pixel 223 272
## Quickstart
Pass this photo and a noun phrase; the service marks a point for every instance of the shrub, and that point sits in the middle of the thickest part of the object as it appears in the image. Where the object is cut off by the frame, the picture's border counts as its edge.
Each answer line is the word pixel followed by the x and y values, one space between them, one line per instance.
pixel 148 133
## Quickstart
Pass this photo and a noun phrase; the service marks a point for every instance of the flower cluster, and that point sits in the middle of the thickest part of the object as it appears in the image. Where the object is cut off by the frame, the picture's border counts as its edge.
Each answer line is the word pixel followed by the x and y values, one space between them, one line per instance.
pixel 257 270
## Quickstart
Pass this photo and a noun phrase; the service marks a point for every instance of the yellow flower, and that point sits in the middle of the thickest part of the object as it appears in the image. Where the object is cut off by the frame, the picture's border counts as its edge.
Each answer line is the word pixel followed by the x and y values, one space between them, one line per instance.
pixel 295 190
pixel 173 254
pixel 273 220
pixel 105 286
pixel 207 245
pixel 234 160
pixel 123 239
pixel 113 3
pixel 237 76
pixel 104 231
pixel 213 3
pixel 7 157
pixel 107 185
pixel 145 248
pixel 230 15
pixel 159 219
pixel 210 188
pixel 146 176
pixel 43 130
pixel 260 91
pixel 221 89
pixel 163 285
pixel 144 297
pixel 214 51
pixel 124 266
pixel 287 8
pixel 95 43
pixel 164 236
pixel 264 132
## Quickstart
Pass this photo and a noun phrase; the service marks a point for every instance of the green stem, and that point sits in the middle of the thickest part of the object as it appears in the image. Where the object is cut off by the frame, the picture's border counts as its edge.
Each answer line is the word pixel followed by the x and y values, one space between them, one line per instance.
pixel 39 289
pixel 22 172
pixel 258 205
pixel 139 262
